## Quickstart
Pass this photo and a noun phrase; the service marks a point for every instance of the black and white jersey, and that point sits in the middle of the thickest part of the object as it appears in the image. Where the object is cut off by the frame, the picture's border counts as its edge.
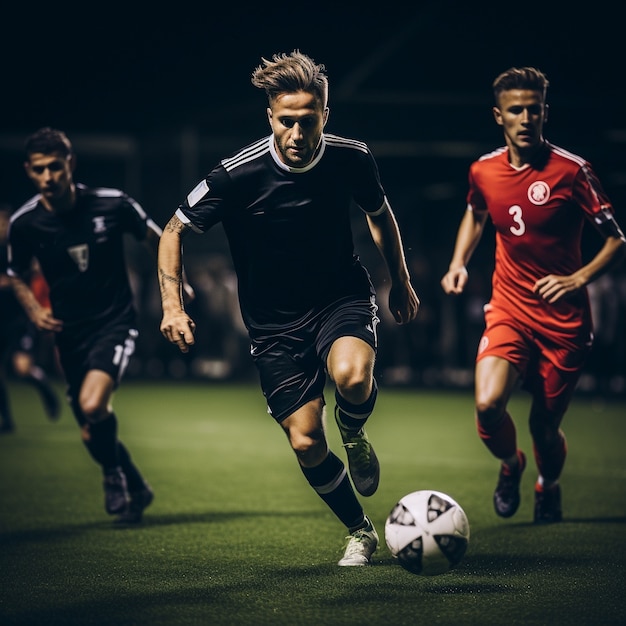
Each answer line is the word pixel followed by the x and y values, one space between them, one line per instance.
pixel 81 254
pixel 289 229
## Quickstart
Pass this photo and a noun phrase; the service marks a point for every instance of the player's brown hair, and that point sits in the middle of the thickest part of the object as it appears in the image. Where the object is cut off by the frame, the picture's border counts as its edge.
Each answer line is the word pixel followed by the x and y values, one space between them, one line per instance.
pixel 521 78
pixel 48 140
pixel 287 73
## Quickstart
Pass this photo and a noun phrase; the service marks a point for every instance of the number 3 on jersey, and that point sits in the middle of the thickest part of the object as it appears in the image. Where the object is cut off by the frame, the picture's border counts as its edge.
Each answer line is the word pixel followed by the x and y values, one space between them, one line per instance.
pixel 516 213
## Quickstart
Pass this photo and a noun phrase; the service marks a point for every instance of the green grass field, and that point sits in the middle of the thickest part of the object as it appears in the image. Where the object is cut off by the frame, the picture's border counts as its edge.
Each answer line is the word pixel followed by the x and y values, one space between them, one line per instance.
pixel 236 536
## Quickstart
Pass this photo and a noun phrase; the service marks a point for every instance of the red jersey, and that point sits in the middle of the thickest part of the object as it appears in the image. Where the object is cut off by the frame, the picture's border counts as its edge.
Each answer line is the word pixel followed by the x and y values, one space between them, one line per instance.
pixel 538 212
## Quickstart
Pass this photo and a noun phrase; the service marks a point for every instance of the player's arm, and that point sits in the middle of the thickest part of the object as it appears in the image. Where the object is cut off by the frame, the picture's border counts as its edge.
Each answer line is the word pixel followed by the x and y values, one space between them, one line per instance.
pixel 467 238
pixel 176 326
pixel 403 301
pixel 552 288
pixel 39 315
pixel 153 238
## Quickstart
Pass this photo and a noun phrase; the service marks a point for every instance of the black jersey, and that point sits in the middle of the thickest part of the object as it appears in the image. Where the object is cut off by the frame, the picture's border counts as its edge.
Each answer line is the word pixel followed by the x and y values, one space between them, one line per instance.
pixel 81 254
pixel 289 229
pixel 10 309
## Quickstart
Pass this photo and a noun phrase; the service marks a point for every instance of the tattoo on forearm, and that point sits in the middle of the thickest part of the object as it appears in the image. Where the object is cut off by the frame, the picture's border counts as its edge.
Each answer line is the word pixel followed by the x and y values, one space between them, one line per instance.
pixel 164 279
pixel 175 226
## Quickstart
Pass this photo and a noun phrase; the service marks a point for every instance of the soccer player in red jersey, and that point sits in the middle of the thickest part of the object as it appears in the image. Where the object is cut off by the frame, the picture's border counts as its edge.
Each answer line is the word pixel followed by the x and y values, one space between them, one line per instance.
pixel 538 325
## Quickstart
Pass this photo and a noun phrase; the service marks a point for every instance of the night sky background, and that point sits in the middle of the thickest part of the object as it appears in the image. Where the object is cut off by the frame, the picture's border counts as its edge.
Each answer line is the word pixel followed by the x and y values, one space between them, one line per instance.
pixel 398 71
pixel 129 66
pixel 153 96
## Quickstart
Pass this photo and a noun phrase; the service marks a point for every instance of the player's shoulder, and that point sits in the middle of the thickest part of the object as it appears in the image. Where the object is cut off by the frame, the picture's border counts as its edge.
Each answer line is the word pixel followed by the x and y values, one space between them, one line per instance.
pixel 491 157
pixel 246 155
pixel 566 157
pixel 99 192
pixel 25 211
pixel 345 143
pixel 487 164
pixel 108 199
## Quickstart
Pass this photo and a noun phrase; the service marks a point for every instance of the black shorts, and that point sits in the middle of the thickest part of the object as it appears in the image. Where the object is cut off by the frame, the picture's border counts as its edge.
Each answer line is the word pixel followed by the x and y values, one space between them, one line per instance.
pixel 108 349
pixel 292 361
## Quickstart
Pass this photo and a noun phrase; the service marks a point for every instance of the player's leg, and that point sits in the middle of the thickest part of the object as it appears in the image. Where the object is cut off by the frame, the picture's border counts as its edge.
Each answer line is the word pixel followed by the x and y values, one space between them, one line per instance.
pixel 25 367
pixel 350 364
pixel 327 475
pixel 99 434
pixel 140 493
pixel 107 357
pixel 550 401
pixel 495 378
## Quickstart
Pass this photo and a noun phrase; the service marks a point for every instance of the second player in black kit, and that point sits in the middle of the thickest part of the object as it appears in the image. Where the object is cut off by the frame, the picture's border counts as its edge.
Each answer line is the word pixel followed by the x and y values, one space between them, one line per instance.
pixel 76 234
pixel 308 303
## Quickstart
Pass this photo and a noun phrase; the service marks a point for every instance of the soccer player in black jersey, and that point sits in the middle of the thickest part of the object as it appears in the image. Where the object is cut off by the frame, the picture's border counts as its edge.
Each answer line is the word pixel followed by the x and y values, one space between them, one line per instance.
pixel 308 303
pixel 76 234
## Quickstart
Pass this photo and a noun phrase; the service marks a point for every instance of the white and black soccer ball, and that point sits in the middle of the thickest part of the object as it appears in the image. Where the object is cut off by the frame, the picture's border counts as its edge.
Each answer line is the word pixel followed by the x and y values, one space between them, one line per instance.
pixel 427 532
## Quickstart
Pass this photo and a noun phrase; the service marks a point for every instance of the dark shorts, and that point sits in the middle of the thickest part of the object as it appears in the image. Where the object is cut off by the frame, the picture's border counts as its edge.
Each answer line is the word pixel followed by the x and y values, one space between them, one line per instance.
pixel 108 349
pixel 292 361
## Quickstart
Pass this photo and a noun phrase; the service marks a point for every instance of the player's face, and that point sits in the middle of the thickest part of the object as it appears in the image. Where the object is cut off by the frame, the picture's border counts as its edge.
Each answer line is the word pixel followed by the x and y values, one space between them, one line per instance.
pixel 297 121
pixel 521 113
pixel 51 174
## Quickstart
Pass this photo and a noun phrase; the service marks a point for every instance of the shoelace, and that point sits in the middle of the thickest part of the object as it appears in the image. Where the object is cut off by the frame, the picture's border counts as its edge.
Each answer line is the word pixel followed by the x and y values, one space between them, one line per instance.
pixel 362 447
pixel 354 543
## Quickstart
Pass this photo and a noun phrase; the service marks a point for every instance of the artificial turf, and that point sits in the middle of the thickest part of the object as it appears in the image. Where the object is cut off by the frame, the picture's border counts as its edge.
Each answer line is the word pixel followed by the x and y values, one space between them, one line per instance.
pixel 236 536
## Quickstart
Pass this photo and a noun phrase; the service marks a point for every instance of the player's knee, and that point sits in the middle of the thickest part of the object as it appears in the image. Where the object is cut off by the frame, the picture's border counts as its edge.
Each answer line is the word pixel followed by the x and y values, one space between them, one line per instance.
pixel 93 410
pixel 22 364
pixel 353 383
pixel 307 445
pixel 489 409
pixel 545 433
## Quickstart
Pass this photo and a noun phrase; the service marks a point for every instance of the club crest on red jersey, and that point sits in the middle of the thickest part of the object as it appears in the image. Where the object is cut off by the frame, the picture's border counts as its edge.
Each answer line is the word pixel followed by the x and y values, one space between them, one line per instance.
pixel 539 192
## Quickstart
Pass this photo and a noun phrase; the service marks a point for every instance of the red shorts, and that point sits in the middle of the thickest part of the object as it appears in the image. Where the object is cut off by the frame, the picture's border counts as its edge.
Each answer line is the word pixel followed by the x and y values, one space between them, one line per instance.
pixel 548 369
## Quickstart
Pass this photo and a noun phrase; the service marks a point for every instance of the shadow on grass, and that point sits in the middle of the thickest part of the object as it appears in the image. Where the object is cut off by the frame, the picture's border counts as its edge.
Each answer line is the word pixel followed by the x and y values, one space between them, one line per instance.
pixel 177 519
pixel 620 519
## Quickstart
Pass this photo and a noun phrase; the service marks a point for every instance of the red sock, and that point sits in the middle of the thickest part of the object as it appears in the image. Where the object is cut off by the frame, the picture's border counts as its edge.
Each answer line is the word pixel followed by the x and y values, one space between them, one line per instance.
pixel 550 461
pixel 502 440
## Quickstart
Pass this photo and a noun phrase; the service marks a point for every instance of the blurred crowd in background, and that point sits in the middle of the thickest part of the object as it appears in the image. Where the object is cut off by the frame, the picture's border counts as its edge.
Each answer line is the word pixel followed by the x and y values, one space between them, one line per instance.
pixel 425 175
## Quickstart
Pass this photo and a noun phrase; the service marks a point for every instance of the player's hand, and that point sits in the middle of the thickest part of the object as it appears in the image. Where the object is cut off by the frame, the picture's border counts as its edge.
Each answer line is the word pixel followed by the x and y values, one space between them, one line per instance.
pixel 553 288
pixel 179 329
pixel 43 319
pixel 454 280
pixel 403 303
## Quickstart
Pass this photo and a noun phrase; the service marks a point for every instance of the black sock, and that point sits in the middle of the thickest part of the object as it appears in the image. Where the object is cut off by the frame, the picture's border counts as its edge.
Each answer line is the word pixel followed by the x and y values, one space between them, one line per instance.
pixel 354 416
pixel 38 379
pixel 102 443
pixel 134 479
pixel 330 481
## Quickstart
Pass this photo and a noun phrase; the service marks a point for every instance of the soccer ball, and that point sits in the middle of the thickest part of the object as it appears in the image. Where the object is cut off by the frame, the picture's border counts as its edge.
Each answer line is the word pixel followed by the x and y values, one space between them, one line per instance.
pixel 427 532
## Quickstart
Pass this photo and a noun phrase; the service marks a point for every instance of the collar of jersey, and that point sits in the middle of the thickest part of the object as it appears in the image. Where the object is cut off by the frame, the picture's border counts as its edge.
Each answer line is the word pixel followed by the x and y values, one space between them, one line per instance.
pixel 297 170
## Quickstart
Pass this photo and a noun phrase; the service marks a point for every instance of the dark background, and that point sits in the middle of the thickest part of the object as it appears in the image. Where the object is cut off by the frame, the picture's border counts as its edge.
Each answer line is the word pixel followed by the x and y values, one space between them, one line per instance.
pixel 153 96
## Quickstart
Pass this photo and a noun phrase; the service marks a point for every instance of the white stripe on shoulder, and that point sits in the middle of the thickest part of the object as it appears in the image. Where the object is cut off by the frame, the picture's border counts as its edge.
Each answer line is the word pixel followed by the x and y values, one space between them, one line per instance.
pixel 27 207
pixel 566 154
pixel 104 192
pixel 344 142
pixel 493 153
pixel 249 153
pixel 109 192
